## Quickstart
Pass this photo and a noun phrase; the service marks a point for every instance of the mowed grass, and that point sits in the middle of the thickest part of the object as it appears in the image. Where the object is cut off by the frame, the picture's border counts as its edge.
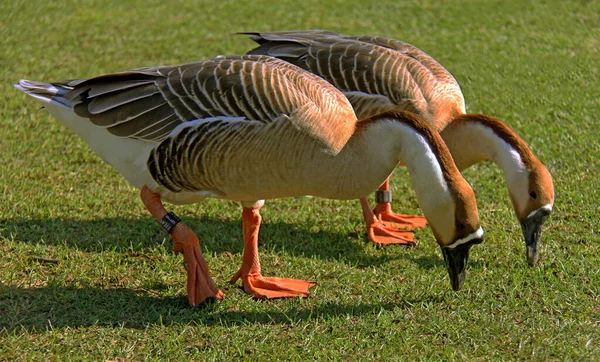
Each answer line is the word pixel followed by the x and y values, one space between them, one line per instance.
pixel 86 273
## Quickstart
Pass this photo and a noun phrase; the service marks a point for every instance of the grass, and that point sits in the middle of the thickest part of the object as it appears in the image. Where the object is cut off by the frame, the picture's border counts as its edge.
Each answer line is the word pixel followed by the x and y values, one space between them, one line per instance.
pixel 112 289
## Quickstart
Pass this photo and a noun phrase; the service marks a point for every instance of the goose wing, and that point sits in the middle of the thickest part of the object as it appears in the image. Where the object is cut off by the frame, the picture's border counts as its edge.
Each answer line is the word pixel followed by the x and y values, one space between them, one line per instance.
pixel 149 103
pixel 441 74
pixel 375 73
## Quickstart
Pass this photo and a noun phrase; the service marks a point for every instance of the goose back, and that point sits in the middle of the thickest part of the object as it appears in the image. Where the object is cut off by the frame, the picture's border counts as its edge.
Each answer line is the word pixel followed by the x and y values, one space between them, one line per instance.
pixel 149 103
pixel 377 74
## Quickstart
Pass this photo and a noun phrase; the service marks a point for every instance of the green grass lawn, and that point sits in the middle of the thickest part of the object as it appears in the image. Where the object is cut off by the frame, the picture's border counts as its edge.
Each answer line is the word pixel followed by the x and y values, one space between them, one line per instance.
pixel 113 290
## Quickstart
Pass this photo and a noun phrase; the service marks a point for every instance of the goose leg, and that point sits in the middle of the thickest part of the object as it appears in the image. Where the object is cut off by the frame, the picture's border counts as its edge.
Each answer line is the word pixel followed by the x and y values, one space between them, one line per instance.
pixel 200 285
pixel 383 211
pixel 380 234
pixel 252 279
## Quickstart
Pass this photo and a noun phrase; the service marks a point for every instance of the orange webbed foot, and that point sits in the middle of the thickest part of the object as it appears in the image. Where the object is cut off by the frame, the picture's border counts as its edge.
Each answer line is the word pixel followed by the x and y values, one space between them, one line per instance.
pixel 380 234
pixel 200 285
pixel 383 212
pixel 272 287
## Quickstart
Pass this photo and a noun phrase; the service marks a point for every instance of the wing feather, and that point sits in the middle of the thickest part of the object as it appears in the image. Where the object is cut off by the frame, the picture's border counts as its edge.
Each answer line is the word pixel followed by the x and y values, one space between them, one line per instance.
pixel 150 103
pixel 410 78
pixel 101 89
pixel 105 102
pixel 158 116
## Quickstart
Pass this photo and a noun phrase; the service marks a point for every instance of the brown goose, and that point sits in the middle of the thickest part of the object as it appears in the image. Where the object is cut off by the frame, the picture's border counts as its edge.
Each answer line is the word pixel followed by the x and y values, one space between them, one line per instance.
pixel 379 74
pixel 250 128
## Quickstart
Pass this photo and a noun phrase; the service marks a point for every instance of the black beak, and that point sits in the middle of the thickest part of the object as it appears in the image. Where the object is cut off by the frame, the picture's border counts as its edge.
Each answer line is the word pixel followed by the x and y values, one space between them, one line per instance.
pixel 532 231
pixel 456 262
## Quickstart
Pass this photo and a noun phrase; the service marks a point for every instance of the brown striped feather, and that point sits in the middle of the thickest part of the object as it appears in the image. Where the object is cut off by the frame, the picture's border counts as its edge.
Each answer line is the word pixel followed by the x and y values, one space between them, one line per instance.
pixel 410 78
pixel 145 103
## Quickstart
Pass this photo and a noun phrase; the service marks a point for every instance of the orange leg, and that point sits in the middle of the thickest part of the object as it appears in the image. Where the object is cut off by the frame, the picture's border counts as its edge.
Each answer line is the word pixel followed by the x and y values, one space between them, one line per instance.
pixel 380 234
pixel 383 211
pixel 252 279
pixel 200 285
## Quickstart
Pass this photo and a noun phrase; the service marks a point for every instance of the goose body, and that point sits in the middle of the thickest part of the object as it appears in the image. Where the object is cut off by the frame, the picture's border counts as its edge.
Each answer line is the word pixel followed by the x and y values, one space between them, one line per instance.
pixel 141 123
pixel 381 74
pixel 250 128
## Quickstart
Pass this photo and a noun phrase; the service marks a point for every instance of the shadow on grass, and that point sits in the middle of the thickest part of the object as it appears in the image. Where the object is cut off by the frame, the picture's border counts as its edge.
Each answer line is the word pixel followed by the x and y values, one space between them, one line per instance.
pixel 40 309
pixel 217 236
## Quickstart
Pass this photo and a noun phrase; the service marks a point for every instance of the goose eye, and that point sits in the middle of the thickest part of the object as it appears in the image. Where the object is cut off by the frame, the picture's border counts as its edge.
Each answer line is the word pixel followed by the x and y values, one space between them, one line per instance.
pixel 460 225
pixel 533 195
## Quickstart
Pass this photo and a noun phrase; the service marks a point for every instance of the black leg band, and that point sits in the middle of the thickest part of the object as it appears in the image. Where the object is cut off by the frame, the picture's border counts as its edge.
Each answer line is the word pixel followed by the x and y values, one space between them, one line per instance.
pixel 169 221
pixel 383 196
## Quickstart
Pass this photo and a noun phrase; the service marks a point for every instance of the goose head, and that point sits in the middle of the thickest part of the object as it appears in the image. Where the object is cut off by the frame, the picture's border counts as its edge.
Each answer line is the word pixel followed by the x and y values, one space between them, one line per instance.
pixel 462 223
pixel 529 182
pixel 476 137
pixel 532 196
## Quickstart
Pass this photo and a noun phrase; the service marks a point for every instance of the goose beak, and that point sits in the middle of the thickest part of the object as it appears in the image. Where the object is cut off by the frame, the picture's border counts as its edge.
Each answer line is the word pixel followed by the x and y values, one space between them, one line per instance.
pixel 456 256
pixel 456 262
pixel 532 231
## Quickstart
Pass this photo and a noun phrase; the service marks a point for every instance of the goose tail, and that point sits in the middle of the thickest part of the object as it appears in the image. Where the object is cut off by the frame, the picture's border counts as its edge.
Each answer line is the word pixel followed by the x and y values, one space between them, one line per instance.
pixel 43 92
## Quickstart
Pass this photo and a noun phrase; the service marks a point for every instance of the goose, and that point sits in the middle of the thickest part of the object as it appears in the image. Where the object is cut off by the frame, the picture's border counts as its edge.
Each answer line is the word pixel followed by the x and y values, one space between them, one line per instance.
pixel 380 74
pixel 250 128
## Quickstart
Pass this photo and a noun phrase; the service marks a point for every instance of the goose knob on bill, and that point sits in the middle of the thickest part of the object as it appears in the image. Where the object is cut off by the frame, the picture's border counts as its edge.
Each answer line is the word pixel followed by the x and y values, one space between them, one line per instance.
pixel 379 74
pixel 250 128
